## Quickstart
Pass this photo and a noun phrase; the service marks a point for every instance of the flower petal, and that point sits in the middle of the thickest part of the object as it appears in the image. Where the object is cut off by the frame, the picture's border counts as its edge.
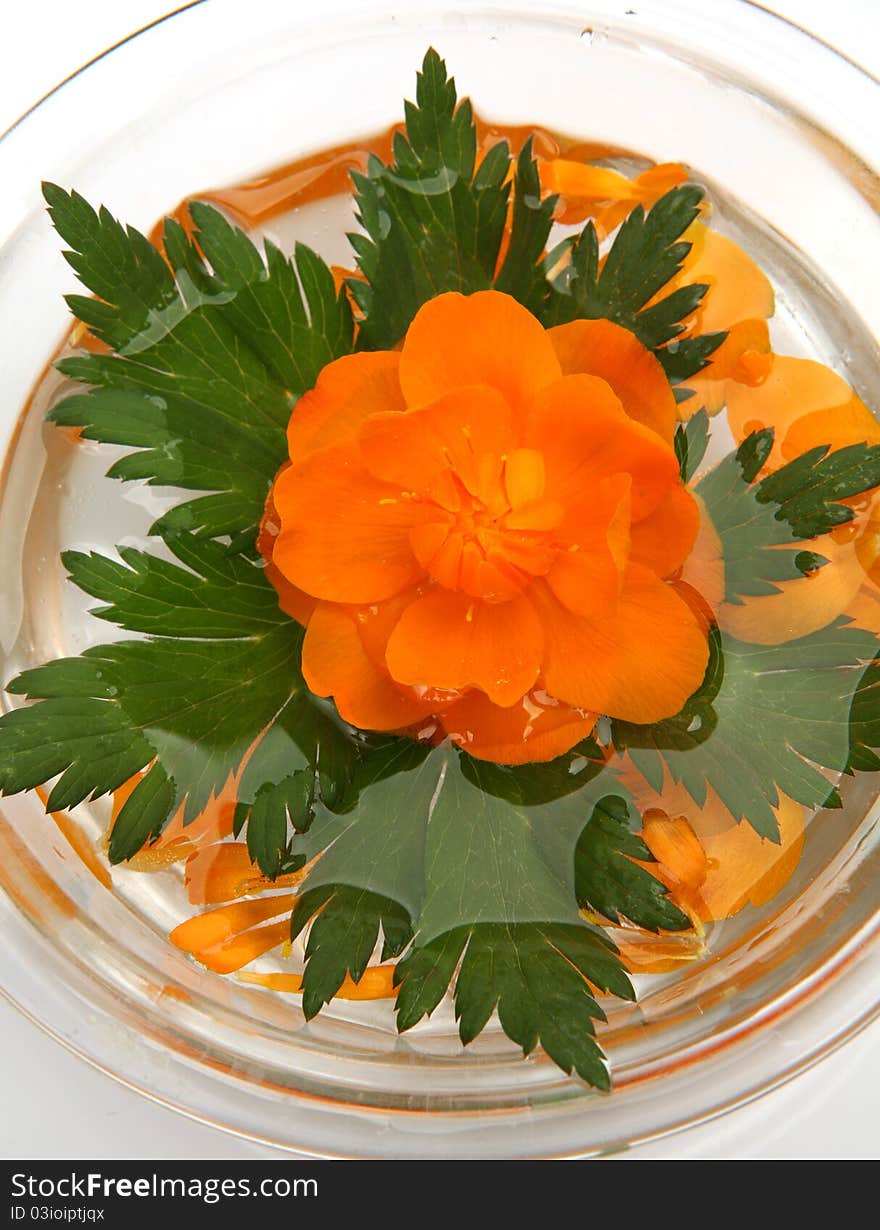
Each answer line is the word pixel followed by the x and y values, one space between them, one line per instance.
pixel 793 388
pixel 703 569
pixel 641 664
pixel 347 391
pixel 486 338
pixel 738 289
pixel 587 577
pixel 534 729
pixel 581 428
pixel 344 535
pixel 852 423
pixel 231 936
pixel 744 357
pixel 448 640
pixel 663 540
pixel 738 868
pixel 336 663
pixel 601 348
pixel 453 432
pixel 802 605
pixel 224 872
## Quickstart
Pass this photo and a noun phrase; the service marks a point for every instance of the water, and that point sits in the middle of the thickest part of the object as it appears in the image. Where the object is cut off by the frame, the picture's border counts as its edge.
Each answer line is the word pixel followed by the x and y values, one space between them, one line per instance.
pixel 67 502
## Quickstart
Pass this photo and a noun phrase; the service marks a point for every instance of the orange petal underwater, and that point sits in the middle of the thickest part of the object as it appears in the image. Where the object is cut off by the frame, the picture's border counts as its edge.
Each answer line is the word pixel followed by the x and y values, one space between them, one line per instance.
pixel 377 982
pixel 224 872
pixel 744 357
pixel 676 847
pixel 336 663
pixel 215 926
pixel 347 391
pixel 601 348
pixel 450 641
pixel 231 936
pixel 240 950
pixel 741 867
pixel 864 610
pixel 802 605
pixel 534 729
pixel 793 388
pixel 485 338
pixel 643 953
pixel 852 423
pixel 640 665
pixel 581 179
pixel 344 535
pixel 738 289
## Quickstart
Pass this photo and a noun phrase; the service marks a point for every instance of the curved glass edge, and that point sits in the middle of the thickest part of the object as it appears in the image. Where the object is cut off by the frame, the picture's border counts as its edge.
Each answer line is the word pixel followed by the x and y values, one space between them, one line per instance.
pixel 128 1030
pixel 17 981
pixel 826 81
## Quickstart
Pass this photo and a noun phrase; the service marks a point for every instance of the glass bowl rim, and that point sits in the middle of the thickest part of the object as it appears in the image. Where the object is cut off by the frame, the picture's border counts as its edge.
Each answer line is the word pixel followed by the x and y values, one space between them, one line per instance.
pixel 849 956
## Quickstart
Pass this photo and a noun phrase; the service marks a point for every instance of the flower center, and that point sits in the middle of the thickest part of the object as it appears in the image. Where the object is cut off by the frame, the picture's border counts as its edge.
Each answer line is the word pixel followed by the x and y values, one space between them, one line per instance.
pixel 493 529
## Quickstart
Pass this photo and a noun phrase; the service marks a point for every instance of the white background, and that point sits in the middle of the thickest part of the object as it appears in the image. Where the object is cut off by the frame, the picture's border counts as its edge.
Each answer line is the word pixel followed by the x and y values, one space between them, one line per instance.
pixel 54 1106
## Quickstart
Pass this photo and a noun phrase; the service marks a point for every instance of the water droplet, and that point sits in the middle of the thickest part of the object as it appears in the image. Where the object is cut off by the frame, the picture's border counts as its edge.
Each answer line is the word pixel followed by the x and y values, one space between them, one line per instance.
pixel 591 36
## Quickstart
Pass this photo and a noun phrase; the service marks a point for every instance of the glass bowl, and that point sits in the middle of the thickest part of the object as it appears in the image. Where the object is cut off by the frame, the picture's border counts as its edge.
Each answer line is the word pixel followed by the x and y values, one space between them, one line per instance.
pixel 762 112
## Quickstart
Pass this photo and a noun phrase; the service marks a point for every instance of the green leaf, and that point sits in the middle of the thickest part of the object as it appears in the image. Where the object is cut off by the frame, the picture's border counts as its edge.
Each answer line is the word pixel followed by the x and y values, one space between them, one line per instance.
pixel 806 491
pixel 288 310
pixel 134 285
pixel 522 274
pixel 765 717
pixel 343 936
pixel 645 254
pixel 274 808
pixel 214 596
pixel 143 815
pixel 757 521
pixel 691 442
pixel 379 845
pixel 209 357
pixel 864 727
pixel 79 733
pixel 180 444
pixel 433 222
pixel 220 671
pixel 608 882
pixel 535 975
pixel 481 859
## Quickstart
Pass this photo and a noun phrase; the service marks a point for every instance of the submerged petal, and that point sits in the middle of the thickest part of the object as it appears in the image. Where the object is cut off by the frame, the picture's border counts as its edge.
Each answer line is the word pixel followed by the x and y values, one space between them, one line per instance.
pixel 792 389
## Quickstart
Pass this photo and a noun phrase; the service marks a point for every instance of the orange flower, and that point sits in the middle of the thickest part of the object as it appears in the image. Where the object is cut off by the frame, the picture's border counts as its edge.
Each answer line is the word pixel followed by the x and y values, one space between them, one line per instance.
pixel 487 521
